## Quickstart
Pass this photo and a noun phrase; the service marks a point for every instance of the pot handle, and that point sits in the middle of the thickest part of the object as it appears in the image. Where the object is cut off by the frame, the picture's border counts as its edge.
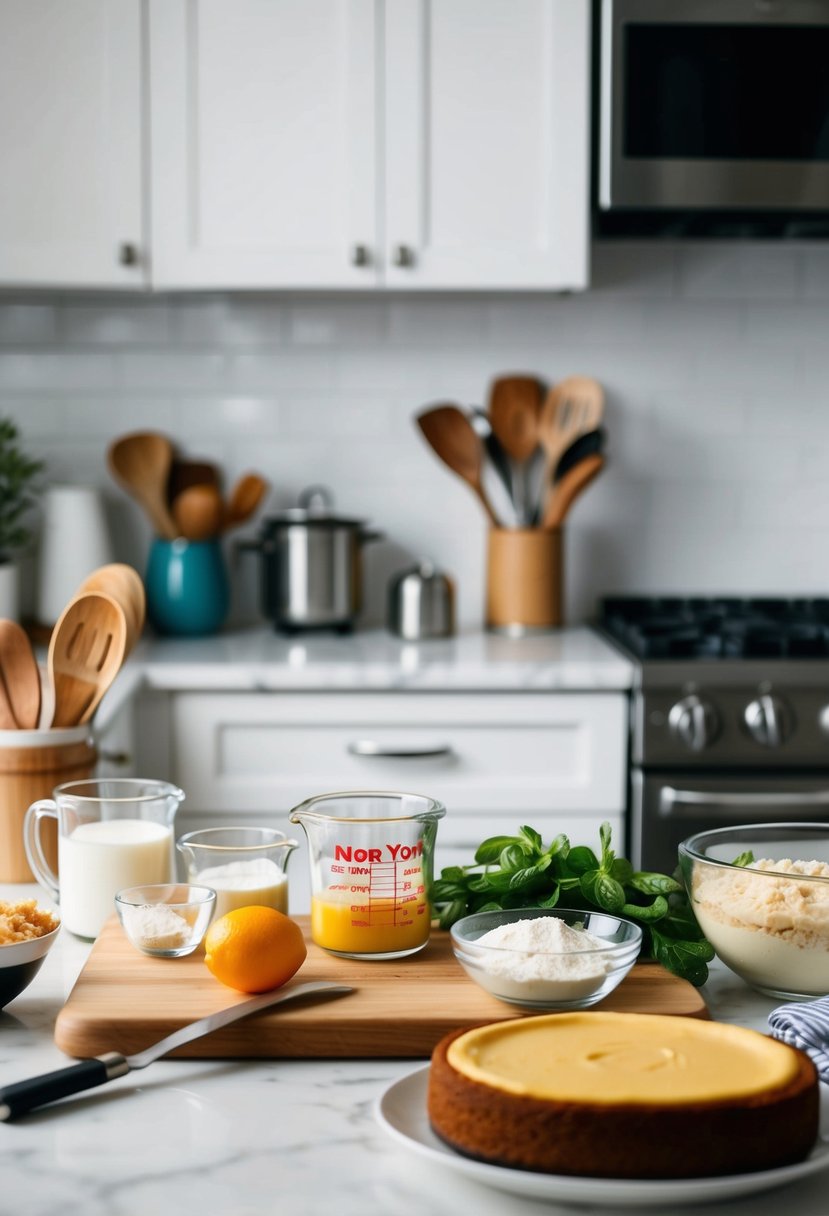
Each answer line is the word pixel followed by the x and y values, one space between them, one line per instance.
pixel 371 534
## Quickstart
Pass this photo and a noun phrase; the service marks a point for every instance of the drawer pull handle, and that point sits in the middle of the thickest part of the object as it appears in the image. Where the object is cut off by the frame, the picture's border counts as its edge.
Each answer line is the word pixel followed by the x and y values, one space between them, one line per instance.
pixel 368 747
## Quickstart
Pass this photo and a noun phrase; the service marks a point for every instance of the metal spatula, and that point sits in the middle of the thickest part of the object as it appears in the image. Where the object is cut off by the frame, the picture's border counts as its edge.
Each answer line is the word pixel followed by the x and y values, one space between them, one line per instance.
pixel 23 1096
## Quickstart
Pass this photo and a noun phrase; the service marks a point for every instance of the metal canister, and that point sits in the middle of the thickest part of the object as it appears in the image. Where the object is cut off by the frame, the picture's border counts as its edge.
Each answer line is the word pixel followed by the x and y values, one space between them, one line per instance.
pixel 421 603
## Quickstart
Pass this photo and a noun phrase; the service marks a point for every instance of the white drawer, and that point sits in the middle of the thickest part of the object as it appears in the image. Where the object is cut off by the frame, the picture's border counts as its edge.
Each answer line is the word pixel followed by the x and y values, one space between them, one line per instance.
pixel 486 755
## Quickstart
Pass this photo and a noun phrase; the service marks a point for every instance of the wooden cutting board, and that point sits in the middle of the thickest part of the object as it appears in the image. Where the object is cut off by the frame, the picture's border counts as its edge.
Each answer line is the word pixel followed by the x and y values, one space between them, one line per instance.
pixel 125 1001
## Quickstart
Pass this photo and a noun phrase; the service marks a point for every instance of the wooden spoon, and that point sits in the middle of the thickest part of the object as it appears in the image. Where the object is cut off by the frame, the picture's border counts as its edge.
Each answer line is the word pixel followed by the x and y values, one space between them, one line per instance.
pixel 186 473
pixel 20 690
pixel 567 489
pixel 571 408
pixel 198 513
pixel 141 463
pixel 86 651
pixel 514 408
pixel 245 497
pixel 451 435
pixel 125 586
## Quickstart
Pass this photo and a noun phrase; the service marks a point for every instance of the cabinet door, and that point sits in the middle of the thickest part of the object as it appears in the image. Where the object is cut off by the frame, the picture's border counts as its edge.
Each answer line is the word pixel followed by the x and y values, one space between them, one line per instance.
pixel 263 156
pixel 70 143
pixel 486 143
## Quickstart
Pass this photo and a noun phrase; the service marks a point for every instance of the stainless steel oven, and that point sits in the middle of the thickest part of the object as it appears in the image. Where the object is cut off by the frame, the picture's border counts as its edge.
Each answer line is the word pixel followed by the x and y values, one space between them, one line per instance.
pixel 714 104
pixel 729 718
pixel 668 807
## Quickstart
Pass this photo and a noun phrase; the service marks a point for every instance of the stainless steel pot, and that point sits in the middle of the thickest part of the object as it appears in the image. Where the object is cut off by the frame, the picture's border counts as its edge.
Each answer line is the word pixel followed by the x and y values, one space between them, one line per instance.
pixel 311 565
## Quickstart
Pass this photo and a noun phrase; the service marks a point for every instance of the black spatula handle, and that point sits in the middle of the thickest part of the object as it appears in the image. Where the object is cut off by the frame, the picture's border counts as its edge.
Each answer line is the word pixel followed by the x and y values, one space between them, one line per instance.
pixel 22 1096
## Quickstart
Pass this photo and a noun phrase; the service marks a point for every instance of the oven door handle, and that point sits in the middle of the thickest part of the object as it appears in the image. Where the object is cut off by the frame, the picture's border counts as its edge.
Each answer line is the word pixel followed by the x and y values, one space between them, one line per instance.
pixel 686 804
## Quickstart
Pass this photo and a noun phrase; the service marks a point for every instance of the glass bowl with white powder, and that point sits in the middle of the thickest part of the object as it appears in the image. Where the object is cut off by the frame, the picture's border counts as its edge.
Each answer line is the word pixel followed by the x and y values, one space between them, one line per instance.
pixel 166 919
pixel 767 916
pixel 556 958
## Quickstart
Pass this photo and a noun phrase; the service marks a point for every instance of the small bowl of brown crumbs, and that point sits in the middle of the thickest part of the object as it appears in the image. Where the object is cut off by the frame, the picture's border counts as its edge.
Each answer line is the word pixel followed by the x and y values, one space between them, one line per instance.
pixel 27 933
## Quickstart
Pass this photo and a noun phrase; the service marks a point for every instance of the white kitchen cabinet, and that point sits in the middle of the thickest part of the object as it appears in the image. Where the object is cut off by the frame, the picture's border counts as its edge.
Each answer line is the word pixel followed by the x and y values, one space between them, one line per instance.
pixel 409 144
pixel 71 206
pixel 553 760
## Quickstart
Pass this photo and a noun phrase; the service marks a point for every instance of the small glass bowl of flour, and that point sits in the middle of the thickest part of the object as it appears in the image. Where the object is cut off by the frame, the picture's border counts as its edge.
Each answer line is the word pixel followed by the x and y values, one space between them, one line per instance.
pixel 166 919
pixel 555 958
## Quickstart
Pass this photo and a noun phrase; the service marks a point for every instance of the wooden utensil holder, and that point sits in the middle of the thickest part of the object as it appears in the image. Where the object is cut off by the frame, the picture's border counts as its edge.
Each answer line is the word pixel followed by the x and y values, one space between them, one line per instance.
pixel 27 773
pixel 524 579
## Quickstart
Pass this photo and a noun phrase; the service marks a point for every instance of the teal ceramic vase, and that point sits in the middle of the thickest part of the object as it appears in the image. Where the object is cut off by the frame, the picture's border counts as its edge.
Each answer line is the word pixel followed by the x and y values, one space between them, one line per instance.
pixel 188 593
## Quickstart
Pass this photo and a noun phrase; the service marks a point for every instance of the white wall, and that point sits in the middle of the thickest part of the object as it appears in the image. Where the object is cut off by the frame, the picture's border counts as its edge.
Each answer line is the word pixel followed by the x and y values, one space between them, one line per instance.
pixel 714 358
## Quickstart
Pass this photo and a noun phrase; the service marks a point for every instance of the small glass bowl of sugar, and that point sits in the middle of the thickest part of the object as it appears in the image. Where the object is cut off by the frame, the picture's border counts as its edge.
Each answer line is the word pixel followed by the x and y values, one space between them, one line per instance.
pixel 556 958
pixel 166 919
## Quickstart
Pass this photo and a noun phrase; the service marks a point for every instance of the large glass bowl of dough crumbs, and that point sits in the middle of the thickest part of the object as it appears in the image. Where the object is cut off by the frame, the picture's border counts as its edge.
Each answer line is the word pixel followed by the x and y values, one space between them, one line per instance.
pixel 166 919
pixel 541 958
pixel 761 895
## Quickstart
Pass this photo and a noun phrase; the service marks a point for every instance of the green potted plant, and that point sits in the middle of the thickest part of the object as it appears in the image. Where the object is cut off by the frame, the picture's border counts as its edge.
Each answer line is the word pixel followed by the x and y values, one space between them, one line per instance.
pixel 18 487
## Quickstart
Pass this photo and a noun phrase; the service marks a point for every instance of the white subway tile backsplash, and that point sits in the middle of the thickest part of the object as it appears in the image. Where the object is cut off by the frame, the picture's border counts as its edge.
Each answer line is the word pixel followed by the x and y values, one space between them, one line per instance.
pixel 27 324
pixel 712 356
pixel 60 371
pixel 738 271
pixel 132 323
pixel 172 371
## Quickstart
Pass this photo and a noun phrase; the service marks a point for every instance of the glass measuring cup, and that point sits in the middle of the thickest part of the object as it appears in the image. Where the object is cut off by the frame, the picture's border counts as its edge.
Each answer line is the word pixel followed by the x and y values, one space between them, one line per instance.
pixel 371 855
pixel 243 865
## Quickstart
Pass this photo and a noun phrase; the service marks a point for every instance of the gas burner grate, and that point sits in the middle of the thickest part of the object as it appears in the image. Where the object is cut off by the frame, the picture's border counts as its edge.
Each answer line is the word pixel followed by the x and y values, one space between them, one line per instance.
pixel 673 627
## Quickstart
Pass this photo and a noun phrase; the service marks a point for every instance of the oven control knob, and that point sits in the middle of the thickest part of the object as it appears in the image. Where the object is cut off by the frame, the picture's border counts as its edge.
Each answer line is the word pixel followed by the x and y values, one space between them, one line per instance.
pixel 768 720
pixel 694 722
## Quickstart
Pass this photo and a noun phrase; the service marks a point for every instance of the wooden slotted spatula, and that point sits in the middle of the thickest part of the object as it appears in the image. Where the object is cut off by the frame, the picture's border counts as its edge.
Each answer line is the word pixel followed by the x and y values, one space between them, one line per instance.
pixel 19 679
pixel 571 408
pixel 86 651
pixel 125 585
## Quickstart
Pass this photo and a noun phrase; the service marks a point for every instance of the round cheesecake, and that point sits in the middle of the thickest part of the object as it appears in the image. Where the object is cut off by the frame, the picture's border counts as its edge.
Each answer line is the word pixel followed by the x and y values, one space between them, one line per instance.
pixel 623 1095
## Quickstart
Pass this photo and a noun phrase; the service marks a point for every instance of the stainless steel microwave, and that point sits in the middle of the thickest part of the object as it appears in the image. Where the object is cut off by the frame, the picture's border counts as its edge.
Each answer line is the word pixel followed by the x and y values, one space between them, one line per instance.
pixel 714 104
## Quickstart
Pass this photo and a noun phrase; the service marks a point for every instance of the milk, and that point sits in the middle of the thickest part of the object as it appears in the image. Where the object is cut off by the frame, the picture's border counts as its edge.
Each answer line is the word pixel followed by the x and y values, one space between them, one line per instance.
pixel 239 884
pixel 97 859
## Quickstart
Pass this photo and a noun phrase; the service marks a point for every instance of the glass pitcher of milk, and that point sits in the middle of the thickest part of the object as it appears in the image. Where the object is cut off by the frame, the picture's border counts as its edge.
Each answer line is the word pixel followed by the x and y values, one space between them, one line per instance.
pixel 112 833
pixel 243 865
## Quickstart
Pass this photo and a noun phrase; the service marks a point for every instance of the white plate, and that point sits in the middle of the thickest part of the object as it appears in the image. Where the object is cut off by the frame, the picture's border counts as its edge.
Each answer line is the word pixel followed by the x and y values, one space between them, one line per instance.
pixel 401 1110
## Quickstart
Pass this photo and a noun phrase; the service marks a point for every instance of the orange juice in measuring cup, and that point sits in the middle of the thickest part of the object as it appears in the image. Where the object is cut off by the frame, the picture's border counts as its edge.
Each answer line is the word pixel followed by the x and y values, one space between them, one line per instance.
pixel 371 859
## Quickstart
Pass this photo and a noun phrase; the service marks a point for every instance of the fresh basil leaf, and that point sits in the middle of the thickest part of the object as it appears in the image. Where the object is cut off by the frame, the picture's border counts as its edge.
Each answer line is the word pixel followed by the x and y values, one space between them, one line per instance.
pixel 513 857
pixel 655 911
pixel 567 884
pixel 607 853
pixel 480 882
pixel 609 894
pixel 581 859
pixel 621 870
pixel 587 884
pixel 550 900
pixel 442 890
pixel 686 959
pixel 490 849
pixel 490 906
pixel 453 873
pixel 451 912
pixel 744 859
pixel 532 837
pixel 653 884
pixel 499 880
pixel 519 879
pixel 558 847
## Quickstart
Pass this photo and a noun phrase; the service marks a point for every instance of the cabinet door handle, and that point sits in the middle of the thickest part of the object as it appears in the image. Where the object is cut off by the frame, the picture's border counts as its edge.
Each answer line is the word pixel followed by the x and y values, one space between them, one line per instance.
pixel 360 255
pixel 394 751
pixel 403 255
pixel 128 254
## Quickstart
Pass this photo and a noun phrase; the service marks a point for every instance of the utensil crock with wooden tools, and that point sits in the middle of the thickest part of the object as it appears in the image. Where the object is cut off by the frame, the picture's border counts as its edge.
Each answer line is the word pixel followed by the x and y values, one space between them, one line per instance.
pixel 524 586
pixel 32 764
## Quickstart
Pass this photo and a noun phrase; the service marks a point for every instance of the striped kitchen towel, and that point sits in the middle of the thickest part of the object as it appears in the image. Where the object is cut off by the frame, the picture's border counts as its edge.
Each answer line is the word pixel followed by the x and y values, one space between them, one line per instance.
pixel 805 1026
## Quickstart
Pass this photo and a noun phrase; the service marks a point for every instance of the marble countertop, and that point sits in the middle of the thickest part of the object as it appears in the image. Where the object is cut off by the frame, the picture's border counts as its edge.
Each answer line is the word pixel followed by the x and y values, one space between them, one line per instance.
pixel 252 1138
pixel 574 659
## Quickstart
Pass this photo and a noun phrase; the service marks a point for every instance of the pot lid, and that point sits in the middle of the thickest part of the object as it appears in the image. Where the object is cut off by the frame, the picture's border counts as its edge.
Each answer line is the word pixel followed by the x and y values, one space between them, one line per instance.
pixel 314 509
